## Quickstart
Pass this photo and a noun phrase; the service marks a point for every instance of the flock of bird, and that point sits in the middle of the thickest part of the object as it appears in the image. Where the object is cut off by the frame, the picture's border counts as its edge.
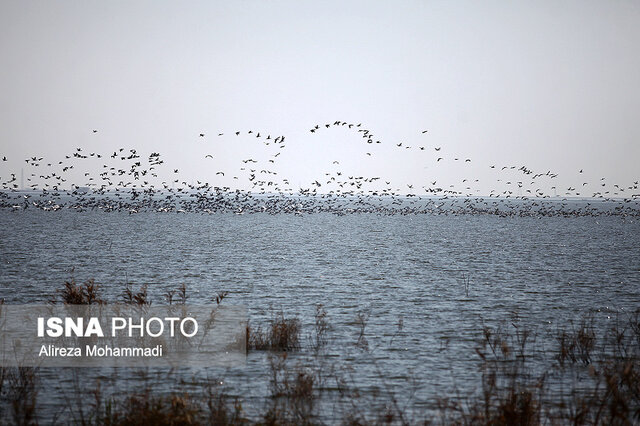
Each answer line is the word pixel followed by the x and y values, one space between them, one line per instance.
pixel 132 182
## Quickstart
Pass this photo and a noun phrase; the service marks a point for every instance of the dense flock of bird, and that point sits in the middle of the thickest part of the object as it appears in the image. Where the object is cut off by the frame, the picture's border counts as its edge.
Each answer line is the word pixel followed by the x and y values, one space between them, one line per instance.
pixel 133 182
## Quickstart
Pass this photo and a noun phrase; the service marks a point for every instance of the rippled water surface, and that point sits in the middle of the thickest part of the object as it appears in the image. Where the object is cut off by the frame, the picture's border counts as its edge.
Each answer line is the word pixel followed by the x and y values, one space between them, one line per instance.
pixel 397 270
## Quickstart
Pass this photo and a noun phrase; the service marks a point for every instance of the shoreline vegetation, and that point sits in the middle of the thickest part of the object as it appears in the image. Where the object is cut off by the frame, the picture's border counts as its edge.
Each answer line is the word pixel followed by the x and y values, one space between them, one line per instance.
pixel 590 376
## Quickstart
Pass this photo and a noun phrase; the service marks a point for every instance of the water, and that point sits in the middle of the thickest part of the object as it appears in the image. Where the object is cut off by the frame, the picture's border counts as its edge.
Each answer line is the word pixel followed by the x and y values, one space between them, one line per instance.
pixel 539 272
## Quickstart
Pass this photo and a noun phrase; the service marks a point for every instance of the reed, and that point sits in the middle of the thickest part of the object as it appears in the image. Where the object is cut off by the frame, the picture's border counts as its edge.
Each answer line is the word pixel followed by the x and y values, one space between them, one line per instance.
pixel 516 381
pixel 86 293
pixel 21 395
pixel 282 334
pixel 139 298
pixel 147 409
pixel 576 344
pixel 293 393
pixel 320 338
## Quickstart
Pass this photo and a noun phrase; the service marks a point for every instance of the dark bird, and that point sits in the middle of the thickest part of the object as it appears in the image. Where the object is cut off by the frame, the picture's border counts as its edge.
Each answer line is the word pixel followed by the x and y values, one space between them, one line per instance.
pixel 4 158
pixel 95 131
pixel 202 135
pixel 208 156
pixel 424 131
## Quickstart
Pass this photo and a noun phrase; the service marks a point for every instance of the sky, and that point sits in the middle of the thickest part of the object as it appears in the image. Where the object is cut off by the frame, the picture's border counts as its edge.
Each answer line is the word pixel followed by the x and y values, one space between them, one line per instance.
pixel 553 86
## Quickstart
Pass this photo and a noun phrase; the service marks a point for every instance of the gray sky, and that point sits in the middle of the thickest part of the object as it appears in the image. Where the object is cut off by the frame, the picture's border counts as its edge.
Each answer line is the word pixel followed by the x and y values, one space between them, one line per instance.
pixel 547 84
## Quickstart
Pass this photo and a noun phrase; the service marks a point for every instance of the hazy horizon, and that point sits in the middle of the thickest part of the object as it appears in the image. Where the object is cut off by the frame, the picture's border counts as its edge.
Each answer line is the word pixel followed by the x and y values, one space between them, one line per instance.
pixel 551 86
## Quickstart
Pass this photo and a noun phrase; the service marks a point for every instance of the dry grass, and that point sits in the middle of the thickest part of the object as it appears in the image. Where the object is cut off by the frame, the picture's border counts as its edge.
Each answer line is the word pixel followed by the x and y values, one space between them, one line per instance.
pixel 219 410
pixel 146 409
pixel 180 292
pixel 293 393
pixel 576 345
pixel 320 338
pixel 139 298
pixel 20 395
pixel 283 334
pixel 516 378
pixel 80 294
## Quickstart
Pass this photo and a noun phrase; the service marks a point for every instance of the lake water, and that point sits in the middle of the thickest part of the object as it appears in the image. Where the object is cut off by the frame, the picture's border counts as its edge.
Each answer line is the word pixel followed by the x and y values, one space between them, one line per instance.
pixel 427 283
